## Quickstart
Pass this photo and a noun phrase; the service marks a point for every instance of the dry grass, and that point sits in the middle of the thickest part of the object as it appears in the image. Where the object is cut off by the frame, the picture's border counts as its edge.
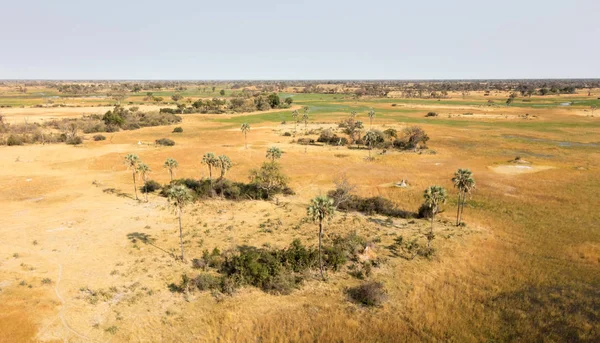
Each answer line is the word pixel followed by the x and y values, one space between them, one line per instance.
pixel 525 268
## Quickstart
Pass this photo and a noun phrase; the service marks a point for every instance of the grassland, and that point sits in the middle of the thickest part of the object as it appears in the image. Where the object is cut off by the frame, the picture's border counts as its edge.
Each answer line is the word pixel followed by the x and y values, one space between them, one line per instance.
pixel 525 268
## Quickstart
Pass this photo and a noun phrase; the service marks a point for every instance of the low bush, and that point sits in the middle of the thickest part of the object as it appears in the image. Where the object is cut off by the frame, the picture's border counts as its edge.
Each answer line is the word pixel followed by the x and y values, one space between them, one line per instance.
pixel 99 138
pixel 165 142
pixel 178 129
pixel 14 140
pixel 431 114
pixel 76 140
pixel 368 294
pixel 150 186
pixel 370 206
pixel 287 134
pixel 305 141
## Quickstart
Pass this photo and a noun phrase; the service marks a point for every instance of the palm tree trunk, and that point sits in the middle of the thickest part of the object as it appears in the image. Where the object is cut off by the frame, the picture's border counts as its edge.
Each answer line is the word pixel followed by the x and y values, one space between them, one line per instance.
pixel 320 238
pixel 180 234
pixel 171 174
pixel 464 200
pixel 135 187
pixel 246 140
pixel 431 230
pixel 458 209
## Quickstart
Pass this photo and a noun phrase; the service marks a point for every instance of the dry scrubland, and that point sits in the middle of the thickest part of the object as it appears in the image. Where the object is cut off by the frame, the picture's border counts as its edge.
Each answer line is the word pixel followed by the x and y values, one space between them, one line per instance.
pixel 525 268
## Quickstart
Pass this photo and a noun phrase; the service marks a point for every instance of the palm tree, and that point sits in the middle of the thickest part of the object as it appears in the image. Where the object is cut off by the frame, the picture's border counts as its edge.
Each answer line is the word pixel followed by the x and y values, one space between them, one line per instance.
pixel 170 165
pixel 223 163
pixel 210 160
pixel 143 169
pixel 465 183
pixel 305 118
pixel 353 114
pixel 274 153
pixel 245 128
pixel 370 139
pixel 295 115
pixel 371 116
pixel 321 208
pixel 434 197
pixel 180 196
pixel 132 160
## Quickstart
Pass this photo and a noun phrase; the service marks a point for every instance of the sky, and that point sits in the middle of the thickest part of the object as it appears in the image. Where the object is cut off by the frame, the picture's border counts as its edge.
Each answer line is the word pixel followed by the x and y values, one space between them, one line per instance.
pixel 266 39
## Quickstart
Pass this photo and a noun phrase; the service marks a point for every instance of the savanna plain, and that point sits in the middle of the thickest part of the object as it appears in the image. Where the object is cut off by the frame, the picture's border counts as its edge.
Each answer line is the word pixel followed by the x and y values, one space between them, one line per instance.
pixel 85 256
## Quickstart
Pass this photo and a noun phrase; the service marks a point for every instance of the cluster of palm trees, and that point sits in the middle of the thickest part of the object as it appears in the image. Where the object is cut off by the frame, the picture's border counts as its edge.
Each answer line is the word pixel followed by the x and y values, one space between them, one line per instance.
pixel 322 209
pixel 142 170
pixel 222 162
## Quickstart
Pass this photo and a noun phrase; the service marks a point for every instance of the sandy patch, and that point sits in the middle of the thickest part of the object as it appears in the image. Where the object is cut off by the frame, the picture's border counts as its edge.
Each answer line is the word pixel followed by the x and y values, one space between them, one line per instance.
pixel 518 169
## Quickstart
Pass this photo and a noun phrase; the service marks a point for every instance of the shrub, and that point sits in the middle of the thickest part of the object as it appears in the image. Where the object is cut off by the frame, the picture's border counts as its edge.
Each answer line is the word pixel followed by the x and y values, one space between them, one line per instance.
pixel 76 140
pixel 328 137
pixel 178 129
pixel 165 142
pixel 373 205
pixel 99 138
pixel 150 186
pixel 205 282
pixel 368 294
pixel 431 114
pixel 287 134
pixel 14 140
pixel 305 141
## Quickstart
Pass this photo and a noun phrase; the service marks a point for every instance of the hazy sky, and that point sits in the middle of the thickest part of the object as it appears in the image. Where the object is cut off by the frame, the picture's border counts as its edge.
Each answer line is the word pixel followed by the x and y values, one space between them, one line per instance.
pixel 265 39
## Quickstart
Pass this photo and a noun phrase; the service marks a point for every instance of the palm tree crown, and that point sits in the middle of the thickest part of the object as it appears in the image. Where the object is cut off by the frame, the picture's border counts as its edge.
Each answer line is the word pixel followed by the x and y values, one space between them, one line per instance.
pixel 224 163
pixel 210 160
pixel 274 153
pixel 435 196
pixel 170 165
pixel 320 208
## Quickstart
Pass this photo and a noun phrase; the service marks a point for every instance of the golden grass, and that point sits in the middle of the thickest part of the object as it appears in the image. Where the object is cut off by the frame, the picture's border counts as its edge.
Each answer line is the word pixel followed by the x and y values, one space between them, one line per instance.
pixel 525 268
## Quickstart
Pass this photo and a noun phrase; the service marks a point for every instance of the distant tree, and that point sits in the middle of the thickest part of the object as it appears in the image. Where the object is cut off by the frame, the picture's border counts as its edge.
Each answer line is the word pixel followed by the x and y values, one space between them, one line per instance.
pixel 434 197
pixel 245 128
pixel 353 114
pixel 222 92
pixel 224 164
pixel 370 140
pixel 509 101
pixel 143 170
pixel 289 100
pixel 295 116
pixel 132 160
pixel 274 153
pixel 210 160
pixel 269 178
pixel 171 164
pixel 415 136
pixel 179 197
pixel 371 116
pixel 465 183
pixel 321 209
pixel 352 128
pixel 176 97
pixel 305 118
pixel 274 100
pixel 213 89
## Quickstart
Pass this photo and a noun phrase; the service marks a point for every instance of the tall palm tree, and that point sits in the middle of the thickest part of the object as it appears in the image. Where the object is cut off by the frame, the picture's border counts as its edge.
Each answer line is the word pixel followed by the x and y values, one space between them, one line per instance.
pixel 434 197
pixel 465 183
pixel 210 160
pixel 305 118
pixel 171 164
pixel 295 116
pixel 224 163
pixel 132 160
pixel 370 140
pixel 245 128
pixel 180 196
pixel 371 116
pixel 274 153
pixel 320 209
pixel 143 170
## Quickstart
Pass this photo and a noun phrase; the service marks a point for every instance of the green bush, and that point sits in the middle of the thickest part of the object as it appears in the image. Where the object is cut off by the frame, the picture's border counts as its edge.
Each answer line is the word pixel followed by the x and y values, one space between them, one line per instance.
pixel 150 186
pixel 76 140
pixel 14 140
pixel 370 206
pixel 178 129
pixel 165 142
